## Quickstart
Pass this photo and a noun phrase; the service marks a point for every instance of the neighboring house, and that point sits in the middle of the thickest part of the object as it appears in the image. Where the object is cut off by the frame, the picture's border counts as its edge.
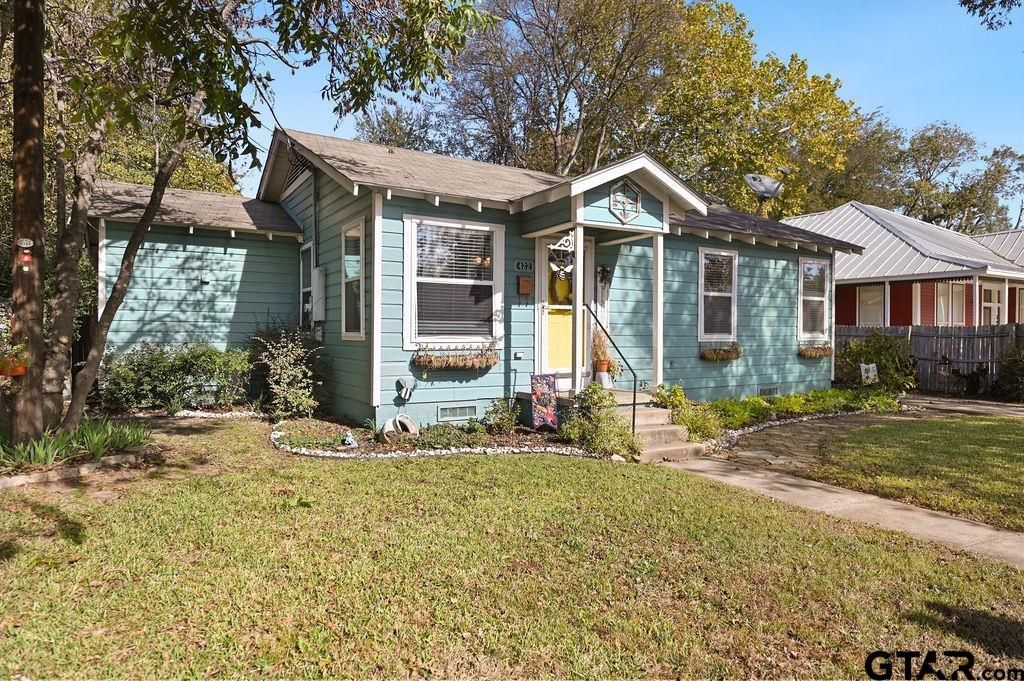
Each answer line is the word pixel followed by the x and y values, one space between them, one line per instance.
pixel 399 254
pixel 914 272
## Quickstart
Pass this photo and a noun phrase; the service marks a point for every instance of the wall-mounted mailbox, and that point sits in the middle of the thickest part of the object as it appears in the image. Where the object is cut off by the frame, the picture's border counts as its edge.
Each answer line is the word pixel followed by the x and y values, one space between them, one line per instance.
pixel 524 285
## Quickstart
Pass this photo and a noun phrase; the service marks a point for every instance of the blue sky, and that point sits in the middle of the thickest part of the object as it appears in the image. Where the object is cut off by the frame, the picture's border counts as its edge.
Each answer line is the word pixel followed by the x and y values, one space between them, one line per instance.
pixel 918 60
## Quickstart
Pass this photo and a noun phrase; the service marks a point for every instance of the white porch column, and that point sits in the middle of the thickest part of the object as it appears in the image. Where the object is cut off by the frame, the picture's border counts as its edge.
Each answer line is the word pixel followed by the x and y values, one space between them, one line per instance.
pixel 976 303
pixel 886 303
pixel 1004 314
pixel 658 299
pixel 578 321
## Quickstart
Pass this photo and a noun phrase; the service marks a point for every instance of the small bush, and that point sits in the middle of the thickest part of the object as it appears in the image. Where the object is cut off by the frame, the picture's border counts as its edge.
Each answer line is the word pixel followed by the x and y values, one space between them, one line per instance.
pixel 897 369
pixel 670 397
pixel 450 436
pixel 1009 384
pixel 742 413
pixel 789 405
pixel 702 422
pixel 875 400
pixel 45 451
pixel 502 416
pixel 173 377
pixel 596 426
pixel 289 360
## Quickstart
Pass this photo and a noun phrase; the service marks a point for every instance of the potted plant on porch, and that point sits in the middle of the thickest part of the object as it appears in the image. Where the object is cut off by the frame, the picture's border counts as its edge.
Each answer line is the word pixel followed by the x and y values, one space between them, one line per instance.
pixel 601 357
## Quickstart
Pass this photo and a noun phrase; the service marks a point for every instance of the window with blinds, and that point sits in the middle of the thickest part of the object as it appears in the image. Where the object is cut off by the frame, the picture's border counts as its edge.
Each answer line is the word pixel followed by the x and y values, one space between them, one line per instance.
pixel 814 287
pixel 457 270
pixel 352 297
pixel 305 285
pixel 717 295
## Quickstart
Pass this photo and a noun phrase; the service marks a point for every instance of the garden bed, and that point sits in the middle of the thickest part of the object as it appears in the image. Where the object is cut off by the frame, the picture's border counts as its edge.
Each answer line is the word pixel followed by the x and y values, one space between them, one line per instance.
pixel 327 439
pixel 69 470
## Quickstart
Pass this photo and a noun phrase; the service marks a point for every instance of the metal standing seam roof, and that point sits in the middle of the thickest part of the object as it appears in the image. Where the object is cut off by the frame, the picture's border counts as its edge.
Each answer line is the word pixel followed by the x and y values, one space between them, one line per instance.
pixel 897 246
pixel 1008 244
pixel 188 208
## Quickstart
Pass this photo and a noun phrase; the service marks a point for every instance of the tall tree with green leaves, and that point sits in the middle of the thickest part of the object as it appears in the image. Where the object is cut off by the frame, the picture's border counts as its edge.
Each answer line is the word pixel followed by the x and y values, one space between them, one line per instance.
pixel 408 127
pixel 204 64
pixel 724 112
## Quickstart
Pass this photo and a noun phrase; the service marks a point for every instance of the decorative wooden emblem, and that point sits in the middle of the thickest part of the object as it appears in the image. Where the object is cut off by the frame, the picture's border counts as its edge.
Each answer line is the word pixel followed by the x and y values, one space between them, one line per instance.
pixel 624 201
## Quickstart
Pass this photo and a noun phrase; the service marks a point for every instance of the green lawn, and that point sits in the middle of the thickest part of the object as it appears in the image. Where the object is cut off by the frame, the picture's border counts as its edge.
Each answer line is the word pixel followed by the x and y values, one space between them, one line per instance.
pixel 971 466
pixel 233 559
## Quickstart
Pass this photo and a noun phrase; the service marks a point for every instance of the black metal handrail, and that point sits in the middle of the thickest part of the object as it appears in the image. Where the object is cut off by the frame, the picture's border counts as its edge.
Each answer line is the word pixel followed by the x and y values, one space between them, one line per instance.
pixel 621 354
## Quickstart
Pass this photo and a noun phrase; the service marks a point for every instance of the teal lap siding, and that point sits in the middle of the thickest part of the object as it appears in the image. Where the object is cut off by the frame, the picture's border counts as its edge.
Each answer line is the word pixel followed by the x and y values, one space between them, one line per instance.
pixel 204 286
pixel 346 362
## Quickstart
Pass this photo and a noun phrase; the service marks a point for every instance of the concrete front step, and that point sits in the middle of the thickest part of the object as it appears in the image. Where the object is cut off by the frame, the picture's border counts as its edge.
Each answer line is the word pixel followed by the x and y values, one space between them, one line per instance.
pixel 654 436
pixel 680 451
pixel 647 416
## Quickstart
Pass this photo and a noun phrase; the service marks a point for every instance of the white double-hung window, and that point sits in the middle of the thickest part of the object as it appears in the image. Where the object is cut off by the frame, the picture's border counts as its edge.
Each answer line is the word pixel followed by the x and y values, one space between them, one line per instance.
pixel 453 282
pixel 353 297
pixel 949 304
pixel 717 302
pixel 814 291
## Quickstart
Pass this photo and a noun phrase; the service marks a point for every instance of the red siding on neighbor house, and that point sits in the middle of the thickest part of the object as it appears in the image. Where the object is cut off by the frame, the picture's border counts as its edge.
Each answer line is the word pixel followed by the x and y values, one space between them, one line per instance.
pixel 969 304
pixel 846 305
pixel 901 304
pixel 1012 299
pixel 928 303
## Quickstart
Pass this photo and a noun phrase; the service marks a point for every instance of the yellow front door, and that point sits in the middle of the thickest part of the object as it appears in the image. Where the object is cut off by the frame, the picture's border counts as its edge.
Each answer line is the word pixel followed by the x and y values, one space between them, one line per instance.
pixel 558 272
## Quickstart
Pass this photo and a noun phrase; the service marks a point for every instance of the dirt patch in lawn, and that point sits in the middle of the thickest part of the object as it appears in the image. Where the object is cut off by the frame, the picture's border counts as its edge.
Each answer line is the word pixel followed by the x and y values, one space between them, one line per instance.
pixel 797 447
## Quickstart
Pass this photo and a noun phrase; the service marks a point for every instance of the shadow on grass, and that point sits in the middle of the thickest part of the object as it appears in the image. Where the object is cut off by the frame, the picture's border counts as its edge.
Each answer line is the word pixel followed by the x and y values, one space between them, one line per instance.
pixel 8 549
pixel 58 523
pixel 996 634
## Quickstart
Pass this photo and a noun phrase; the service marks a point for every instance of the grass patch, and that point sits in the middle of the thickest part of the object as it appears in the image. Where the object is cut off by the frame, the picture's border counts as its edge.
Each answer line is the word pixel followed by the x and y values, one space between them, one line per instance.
pixel 971 466
pixel 236 560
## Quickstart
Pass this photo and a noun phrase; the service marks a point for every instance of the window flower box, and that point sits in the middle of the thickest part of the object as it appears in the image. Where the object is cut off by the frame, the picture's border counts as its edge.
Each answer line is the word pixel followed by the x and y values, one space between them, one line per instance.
pixel 721 353
pixel 815 351
pixel 484 358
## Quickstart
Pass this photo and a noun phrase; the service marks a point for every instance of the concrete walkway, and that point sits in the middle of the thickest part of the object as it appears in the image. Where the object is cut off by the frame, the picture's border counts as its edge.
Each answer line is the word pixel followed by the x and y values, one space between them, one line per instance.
pixel 933 526
pixel 963 406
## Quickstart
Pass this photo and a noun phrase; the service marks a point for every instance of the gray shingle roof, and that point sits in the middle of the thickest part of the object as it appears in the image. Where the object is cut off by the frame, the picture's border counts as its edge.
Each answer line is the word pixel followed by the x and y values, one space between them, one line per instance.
pixel 123 201
pixel 382 166
pixel 723 218
pixel 898 246
pixel 1008 244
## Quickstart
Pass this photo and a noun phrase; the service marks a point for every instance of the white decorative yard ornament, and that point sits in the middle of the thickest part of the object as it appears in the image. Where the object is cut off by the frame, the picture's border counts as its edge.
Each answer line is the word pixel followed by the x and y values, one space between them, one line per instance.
pixel 624 201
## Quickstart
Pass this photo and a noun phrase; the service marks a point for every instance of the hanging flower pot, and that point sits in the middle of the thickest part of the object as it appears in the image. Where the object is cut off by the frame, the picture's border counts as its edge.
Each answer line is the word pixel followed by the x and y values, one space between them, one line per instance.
pixel 12 366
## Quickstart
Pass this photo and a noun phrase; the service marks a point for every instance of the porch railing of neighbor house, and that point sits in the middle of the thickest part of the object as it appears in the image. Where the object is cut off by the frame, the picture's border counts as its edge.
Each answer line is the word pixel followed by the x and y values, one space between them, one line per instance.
pixel 949 357
pixel 622 355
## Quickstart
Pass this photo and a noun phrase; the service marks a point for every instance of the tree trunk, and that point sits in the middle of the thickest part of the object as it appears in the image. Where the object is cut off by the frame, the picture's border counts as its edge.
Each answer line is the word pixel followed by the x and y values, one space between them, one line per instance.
pixel 27 286
pixel 87 376
pixel 67 284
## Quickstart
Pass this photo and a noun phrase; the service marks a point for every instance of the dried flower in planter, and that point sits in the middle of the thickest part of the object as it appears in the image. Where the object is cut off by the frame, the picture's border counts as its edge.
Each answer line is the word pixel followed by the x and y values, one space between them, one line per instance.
pixel 484 358
pixel 733 351
pixel 815 351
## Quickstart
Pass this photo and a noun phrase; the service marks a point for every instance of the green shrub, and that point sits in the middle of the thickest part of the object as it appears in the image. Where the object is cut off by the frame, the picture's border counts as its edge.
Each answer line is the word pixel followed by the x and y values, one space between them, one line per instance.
pixel 596 425
pixel 93 438
pixel 1009 383
pixel 670 397
pixel 789 405
pixel 288 359
pixel 502 416
pixel 831 401
pixel 742 413
pixel 174 377
pixel 50 448
pixel 702 422
pixel 450 436
pixel 897 369
pixel 874 400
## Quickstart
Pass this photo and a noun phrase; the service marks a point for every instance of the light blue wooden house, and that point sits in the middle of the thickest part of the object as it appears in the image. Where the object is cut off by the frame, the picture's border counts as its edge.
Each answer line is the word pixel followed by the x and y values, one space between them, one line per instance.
pixel 405 261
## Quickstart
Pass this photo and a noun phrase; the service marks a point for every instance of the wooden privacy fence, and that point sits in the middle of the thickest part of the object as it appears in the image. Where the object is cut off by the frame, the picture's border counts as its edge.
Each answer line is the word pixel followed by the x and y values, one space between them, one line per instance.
pixel 948 355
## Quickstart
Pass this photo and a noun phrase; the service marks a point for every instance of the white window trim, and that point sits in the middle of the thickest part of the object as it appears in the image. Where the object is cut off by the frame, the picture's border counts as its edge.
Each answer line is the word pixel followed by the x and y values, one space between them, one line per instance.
pixel 410 341
pixel 701 336
pixel 824 335
pixel 358 225
pixel 948 285
pixel 302 291
pixel 863 323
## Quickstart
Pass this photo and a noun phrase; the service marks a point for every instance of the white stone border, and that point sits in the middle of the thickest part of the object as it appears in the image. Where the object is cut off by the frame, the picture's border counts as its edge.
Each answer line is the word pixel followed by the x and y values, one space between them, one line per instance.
pixel 68 472
pixel 196 414
pixel 361 455
pixel 731 437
